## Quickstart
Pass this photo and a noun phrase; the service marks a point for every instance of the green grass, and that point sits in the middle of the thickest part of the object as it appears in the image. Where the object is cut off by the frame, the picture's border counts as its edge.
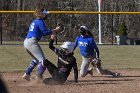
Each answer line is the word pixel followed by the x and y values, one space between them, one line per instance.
pixel 15 58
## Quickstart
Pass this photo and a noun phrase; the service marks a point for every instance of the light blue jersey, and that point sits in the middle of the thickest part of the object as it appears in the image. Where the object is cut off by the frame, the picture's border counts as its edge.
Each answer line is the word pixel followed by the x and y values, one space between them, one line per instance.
pixel 38 29
pixel 86 45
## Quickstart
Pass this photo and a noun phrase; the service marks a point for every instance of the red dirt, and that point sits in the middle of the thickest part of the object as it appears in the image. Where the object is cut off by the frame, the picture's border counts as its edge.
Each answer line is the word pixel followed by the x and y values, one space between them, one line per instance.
pixel 128 83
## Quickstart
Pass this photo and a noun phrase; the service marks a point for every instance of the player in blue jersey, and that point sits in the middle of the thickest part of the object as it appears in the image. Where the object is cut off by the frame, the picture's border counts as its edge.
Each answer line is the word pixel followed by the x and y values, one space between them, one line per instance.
pixel 37 29
pixel 90 54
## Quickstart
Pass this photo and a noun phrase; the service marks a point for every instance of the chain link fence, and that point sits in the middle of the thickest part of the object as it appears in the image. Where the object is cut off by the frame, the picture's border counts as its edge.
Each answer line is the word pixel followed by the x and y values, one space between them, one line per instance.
pixel 14 27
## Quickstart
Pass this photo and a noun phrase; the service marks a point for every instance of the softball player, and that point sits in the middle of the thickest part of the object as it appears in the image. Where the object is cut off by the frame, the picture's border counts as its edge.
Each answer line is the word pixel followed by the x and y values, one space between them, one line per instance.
pixel 66 61
pixel 90 54
pixel 37 29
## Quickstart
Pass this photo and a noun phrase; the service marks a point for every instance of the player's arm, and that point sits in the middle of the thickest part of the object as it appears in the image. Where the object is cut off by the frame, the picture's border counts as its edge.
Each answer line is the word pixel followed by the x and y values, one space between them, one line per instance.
pixel 43 28
pixel 75 43
pixel 75 68
pixel 96 48
pixel 51 45
pixel 51 42
pixel 47 31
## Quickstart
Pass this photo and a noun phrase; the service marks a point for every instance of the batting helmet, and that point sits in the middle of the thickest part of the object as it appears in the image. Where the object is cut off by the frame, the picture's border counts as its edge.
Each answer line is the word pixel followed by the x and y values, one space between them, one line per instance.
pixel 67 47
pixel 83 30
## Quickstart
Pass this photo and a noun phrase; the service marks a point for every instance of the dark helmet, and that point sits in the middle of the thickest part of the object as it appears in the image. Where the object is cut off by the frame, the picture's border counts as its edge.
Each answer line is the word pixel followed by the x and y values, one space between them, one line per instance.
pixel 83 30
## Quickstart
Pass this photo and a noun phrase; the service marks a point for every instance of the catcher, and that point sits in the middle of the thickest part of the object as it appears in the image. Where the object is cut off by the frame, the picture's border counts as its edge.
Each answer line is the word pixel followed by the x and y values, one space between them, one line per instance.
pixel 66 61
pixel 37 29
pixel 87 47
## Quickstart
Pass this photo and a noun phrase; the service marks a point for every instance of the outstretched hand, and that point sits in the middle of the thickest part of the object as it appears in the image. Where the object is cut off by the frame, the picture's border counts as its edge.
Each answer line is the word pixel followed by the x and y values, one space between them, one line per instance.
pixel 59 28
pixel 53 37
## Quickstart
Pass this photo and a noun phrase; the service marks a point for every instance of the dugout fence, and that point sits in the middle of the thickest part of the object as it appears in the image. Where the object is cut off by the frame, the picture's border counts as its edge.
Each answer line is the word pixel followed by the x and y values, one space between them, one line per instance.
pixel 110 20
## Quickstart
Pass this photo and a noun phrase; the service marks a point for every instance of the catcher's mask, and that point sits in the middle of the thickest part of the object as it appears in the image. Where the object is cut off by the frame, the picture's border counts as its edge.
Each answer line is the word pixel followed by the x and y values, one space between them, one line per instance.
pixel 41 13
pixel 67 48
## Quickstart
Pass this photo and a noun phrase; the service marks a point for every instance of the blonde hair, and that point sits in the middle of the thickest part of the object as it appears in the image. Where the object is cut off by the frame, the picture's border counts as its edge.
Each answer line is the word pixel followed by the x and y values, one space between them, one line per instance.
pixel 38 13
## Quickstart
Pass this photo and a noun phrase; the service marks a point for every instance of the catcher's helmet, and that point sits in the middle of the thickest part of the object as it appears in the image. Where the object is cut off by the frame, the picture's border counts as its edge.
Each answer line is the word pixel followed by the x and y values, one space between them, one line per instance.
pixel 83 30
pixel 67 47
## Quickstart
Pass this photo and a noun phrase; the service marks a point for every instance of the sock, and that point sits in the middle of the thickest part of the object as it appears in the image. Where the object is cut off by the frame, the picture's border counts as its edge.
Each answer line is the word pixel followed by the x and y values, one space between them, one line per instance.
pixel 31 67
pixel 41 69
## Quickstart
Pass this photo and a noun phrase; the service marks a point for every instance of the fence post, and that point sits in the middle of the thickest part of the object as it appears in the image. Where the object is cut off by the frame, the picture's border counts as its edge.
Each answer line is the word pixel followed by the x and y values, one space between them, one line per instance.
pixel 1 29
pixel 112 30
pixel 56 33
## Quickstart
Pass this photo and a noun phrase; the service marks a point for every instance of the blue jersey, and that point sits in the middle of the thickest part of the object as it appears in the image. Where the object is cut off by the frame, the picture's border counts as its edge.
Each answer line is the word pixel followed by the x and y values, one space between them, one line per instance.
pixel 38 29
pixel 86 45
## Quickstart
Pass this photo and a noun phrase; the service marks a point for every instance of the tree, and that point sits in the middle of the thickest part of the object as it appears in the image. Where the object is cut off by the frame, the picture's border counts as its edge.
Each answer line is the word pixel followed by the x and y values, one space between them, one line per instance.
pixel 122 30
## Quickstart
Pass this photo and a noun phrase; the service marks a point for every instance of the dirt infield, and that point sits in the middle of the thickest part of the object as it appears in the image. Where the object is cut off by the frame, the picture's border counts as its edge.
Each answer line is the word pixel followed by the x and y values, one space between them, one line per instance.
pixel 128 83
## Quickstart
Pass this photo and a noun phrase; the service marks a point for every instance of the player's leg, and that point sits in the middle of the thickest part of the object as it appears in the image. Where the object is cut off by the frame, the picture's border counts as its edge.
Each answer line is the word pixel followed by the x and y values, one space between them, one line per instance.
pixel 29 69
pixel 102 71
pixel 36 52
pixel 49 81
pixel 53 70
pixel 32 65
pixel 84 67
pixel 107 72
pixel 57 76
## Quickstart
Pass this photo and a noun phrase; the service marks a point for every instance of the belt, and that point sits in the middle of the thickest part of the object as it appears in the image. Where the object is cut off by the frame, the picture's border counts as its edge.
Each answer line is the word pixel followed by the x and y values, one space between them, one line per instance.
pixel 34 37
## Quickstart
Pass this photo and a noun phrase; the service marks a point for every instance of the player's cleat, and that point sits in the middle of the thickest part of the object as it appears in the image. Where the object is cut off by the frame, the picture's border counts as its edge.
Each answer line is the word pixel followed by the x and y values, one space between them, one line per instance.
pixel 39 77
pixel 26 77
pixel 91 71
pixel 117 74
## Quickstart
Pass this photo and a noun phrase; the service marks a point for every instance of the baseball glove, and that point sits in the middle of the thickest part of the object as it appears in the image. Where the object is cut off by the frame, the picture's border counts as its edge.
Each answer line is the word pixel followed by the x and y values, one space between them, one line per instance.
pixel 96 63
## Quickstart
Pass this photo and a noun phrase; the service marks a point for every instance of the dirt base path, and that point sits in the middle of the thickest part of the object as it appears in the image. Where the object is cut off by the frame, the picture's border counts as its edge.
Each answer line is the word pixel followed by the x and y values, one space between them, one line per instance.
pixel 128 83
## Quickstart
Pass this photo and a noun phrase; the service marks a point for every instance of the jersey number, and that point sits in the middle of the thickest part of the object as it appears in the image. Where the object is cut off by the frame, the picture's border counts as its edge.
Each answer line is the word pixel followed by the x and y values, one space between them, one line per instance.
pixel 31 27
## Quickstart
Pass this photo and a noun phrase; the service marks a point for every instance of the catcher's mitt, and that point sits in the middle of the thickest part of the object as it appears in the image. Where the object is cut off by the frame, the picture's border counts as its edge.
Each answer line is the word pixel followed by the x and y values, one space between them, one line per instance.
pixel 61 26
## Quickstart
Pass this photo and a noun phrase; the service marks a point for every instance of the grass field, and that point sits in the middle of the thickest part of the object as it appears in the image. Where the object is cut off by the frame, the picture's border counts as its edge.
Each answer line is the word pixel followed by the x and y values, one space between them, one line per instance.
pixel 15 58
pixel 123 59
